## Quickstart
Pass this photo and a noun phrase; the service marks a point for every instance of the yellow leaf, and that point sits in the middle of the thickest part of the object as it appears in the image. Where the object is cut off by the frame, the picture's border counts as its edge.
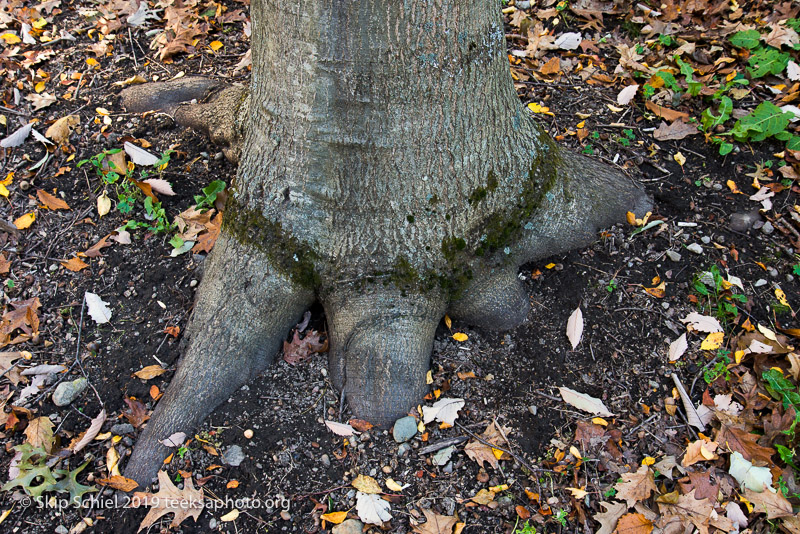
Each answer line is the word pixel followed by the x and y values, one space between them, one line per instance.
pixel 392 485
pixel 3 191
pixel 102 111
pixel 39 23
pixel 580 124
pixel 713 341
pixel 74 264
pixel 334 517
pixel 103 204
pixel 658 291
pixel 781 296
pixel 769 334
pixel 233 515
pixel 631 218
pixel 679 158
pixel 497 453
pixel 151 371
pixel 648 460
pixel 25 221
pixel 112 462
pixel 447 322
pixel 429 377
pixel 39 87
pixel 600 421
pixel 215 45
pixel 92 62
pixel 732 186
pixel 460 336
pixel 578 493
pixel 366 484
pixel 549 265
pixel 8 179
pixel 10 38
pixel 738 355
pixel 538 108
pixel 498 488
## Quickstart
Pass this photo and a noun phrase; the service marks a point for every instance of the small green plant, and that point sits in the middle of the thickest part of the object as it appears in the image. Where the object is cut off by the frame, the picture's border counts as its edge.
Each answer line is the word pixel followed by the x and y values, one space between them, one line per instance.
pixel 610 492
pixel 719 297
pixel 782 389
pixel 561 517
pixel 209 196
pixel 588 150
pixel 182 450
pixel 720 367
pixel 796 269
pixel 527 528
pixel 611 285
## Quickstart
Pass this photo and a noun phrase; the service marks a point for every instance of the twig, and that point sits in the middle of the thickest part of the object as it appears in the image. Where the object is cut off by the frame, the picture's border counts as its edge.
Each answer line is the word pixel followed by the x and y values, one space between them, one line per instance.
pixel 499 448
pixel 442 444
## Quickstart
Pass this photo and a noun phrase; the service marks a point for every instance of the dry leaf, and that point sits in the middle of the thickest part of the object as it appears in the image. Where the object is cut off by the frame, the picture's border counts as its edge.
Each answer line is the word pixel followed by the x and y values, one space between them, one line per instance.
pixel 435 523
pixel 444 410
pixel 575 327
pixel 701 450
pixel 634 524
pixel 675 131
pixel 366 484
pixel 691 412
pixel 25 221
pixel 98 309
pixel 340 429
pixel 372 509
pixel 119 482
pixel 460 336
pixel 139 156
pixel 484 497
pixel 666 113
pixel 74 264
pixel 103 204
pixel 51 202
pixel 184 503
pixel 480 452
pixel 626 95
pixel 60 130
pixel 608 519
pixel 91 432
pixel 774 505
pixel 233 515
pixel 712 341
pixel 334 517
pixel 677 348
pixel 39 433
pixel 584 402
pixel 702 323
pixel 636 486
pixel 151 371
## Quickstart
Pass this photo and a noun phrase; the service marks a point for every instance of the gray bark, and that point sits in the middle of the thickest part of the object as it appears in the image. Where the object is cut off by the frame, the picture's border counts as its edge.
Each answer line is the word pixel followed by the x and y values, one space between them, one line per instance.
pixel 387 168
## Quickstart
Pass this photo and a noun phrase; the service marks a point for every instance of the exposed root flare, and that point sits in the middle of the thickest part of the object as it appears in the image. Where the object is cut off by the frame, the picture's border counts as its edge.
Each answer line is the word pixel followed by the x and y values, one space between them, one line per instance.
pixel 493 300
pixel 381 346
pixel 241 316
pixel 587 196
pixel 198 103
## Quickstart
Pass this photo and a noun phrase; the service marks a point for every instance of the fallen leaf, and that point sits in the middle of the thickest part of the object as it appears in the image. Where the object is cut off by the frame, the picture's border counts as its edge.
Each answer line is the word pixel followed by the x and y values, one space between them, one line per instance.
pixel 677 348
pixel 675 131
pixel 634 524
pixel 41 101
pixel 300 350
pixel 39 433
pixel 658 291
pixel 74 264
pixel 98 309
pixel 140 156
pixel 20 315
pixel 679 158
pixel 666 113
pixel 162 187
pixel 774 504
pixel 103 204
pixel 481 452
pixel 584 402
pixel 366 484
pixel 712 341
pixel 702 323
pixel 444 410
pixel 460 336
pixel 119 482
pixel 701 450
pixel 91 432
pixel 60 130
pixel 17 138
pixel 575 327
pixel 184 503
pixel 25 221
pixel 747 475
pixel 608 519
pixel 553 66
pixel 636 486
pixel 334 517
pixel 484 497
pixel 435 523
pixel 626 95
pixel 372 509
pixel 739 440
pixel 233 515
pixel 340 429
pixel 137 412
pixel 151 371
pixel 568 41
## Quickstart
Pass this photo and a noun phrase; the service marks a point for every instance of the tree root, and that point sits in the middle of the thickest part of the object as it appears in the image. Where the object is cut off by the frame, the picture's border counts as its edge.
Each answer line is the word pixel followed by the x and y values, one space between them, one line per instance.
pixel 199 103
pixel 241 316
pixel 381 345
pixel 494 300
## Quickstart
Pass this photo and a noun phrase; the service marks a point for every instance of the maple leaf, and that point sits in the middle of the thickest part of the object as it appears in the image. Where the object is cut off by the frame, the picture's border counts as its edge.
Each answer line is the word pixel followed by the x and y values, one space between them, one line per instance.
pixel 206 240
pixel 636 486
pixel 480 452
pixel 300 350
pixel 184 503
pixel 435 523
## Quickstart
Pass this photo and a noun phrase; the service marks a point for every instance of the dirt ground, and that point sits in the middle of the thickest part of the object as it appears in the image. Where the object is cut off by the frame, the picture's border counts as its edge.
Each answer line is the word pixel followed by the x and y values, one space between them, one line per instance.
pixel 295 469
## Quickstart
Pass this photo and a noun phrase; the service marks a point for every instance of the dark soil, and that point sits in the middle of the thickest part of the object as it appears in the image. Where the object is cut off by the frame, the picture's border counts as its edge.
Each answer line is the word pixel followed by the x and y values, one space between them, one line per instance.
pixel 292 461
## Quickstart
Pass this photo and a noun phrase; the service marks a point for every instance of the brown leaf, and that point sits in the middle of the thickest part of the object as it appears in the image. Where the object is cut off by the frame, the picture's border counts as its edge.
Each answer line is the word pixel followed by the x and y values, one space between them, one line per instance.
pixel 634 524
pixel 701 450
pixel 94 250
pixel 74 264
pixel 435 524
pixel 675 131
pixel 688 509
pixel 119 482
pixel 745 443
pixel 480 452
pixel 300 350
pixel 40 433
pixel 137 414
pixel 360 424
pixel 22 317
pixel 774 505
pixel 151 371
pixel 5 264
pixel 86 437
pixel 608 519
pixel 551 67
pixel 206 240
pixel 636 486
pixel 705 484
pixel 51 202
pixel 60 130
pixel 174 331
pixel 184 503
pixel 666 113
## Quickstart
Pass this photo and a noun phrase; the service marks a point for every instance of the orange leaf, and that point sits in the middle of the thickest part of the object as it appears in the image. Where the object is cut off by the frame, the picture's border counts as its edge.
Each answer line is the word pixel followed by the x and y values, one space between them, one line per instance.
pixel 119 483
pixel 173 330
pixel 232 484
pixel 25 221
pixel 551 67
pixel 155 393
pixel 74 264
pixel 151 371
pixel 51 202
pixel 657 291
pixel 666 113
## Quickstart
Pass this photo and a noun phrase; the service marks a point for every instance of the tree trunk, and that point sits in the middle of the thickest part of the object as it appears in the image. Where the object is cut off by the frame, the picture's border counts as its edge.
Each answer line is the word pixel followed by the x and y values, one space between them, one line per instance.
pixel 387 168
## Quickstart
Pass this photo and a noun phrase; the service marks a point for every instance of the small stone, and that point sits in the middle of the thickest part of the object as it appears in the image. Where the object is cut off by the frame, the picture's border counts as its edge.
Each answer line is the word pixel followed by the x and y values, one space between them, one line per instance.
pixel 760 282
pixel 694 247
pixel 773 272
pixel 665 305
pixel 403 449
pixel 193 283
pixel 326 460
pixel 233 456
pixel 717 187
pixel 66 392
pixel 122 428
pixel 53 268
pixel 705 239
pixel 351 526
pixel 405 428
pixel 212 524
pixel 789 278
pixel 218 156
pixel 767 228
pixel 248 434
pixel 674 256
pixel 386 469
pixel 742 222
pixel 533 409
pixel 61 529
pixel 24 185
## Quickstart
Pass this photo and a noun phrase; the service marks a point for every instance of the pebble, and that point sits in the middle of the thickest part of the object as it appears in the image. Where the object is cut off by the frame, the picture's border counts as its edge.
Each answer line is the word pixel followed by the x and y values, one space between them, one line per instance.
pixel 351 526
pixel 193 283
pixel 233 456
pixel 533 409
pixel 61 529
pixel 694 247
pixel 386 469
pixel 66 392
pixel 122 428
pixel 789 278
pixel 404 429
pixel 674 256
pixel 665 305
pixel 742 222
pixel 773 272
pixel 53 267
pixel 705 239
pixel 326 460
pixel 767 228
pixel 403 449
pixel 248 434
pixel 760 282
pixel 212 524
pixel 717 187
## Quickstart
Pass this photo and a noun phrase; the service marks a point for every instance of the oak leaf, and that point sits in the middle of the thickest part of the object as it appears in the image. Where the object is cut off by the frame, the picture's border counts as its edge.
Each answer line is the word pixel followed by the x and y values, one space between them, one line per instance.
pixel 184 503
pixel 39 433
pixel 119 483
pixel 300 350
pixel 774 505
pixel 435 524
pixel 480 452
pixel 741 441
pixel 608 519
pixel 636 486
pixel 689 509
